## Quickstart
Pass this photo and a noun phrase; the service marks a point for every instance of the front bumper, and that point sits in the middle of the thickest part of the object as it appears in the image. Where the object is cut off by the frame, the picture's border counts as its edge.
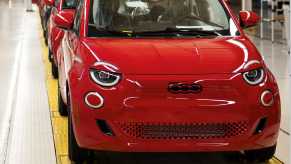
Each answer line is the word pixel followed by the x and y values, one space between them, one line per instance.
pixel 122 132
pixel 131 126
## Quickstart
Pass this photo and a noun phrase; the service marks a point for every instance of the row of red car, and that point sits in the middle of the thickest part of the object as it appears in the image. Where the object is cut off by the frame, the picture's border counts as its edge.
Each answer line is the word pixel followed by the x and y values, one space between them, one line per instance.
pixel 160 76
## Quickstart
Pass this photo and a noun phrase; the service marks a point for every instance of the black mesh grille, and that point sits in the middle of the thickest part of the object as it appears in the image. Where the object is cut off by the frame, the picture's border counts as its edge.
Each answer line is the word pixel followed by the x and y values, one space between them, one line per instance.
pixel 141 130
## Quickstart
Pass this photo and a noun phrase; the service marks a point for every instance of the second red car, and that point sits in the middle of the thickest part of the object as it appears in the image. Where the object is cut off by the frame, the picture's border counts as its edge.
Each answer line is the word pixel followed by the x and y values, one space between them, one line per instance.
pixel 62 9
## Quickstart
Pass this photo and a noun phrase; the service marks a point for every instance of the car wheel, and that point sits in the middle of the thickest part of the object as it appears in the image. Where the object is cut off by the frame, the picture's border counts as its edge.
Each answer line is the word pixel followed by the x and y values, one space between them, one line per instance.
pixel 76 154
pixel 50 55
pixel 260 155
pixel 54 70
pixel 42 24
pixel 45 41
pixel 61 104
pixel 44 35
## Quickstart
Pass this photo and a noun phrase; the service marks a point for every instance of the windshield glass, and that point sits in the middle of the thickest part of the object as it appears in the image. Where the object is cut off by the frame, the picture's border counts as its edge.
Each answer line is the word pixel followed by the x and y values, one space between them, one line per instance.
pixel 157 18
pixel 69 4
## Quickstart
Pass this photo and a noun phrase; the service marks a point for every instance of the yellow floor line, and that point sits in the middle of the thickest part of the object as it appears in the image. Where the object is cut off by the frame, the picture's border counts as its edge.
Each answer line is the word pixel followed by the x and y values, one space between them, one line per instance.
pixel 60 124
pixel 275 161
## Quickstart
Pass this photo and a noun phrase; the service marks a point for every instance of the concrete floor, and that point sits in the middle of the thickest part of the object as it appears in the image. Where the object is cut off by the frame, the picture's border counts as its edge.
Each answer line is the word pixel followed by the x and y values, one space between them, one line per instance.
pixel 279 61
pixel 26 134
pixel 25 126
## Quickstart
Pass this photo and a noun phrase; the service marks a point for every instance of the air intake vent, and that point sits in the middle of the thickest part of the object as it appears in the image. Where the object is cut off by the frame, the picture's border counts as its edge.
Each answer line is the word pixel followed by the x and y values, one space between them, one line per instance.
pixel 104 127
pixel 141 130
pixel 261 126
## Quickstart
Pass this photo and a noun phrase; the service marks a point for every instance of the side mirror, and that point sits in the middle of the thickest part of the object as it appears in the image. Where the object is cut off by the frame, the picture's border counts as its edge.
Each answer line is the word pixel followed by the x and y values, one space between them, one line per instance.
pixel 248 19
pixel 65 18
pixel 49 2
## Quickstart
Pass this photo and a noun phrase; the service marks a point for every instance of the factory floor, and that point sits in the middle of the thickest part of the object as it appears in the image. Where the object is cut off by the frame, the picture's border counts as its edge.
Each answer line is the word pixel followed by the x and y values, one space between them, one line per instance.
pixel 32 131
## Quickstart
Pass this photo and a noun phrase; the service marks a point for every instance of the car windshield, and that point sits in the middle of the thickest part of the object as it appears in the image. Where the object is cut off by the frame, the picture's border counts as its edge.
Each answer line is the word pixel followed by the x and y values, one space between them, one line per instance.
pixel 158 18
pixel 69 4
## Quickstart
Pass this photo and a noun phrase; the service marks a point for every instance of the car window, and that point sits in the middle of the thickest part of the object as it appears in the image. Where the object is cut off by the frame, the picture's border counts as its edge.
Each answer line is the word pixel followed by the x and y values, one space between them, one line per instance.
pixel 57 2
pixel 157 15
pixel 69 4
pixel 76 26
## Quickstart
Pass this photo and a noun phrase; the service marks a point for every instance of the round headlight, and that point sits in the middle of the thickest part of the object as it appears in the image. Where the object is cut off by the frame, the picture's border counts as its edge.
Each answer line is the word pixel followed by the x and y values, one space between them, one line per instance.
pixel 104 78
pixel 254 77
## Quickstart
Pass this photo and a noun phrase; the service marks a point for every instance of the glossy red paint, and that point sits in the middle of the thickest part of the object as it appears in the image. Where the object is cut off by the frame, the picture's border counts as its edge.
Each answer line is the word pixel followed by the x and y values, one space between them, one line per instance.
pixel 49 2
pixel 64 19
pixel 248 18
pixel 60 20
pixel 44 12
pixel 41 5
pixel 141 98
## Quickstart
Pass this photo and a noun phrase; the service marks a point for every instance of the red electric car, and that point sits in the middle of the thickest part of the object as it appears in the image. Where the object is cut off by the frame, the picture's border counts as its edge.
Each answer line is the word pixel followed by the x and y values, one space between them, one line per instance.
pixel 54 33
pixel 165 76
pixel 44 12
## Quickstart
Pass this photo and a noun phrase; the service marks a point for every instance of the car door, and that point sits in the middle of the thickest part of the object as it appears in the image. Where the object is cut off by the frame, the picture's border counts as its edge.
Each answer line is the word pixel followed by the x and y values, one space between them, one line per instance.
pixel 50 25
pixel 70 45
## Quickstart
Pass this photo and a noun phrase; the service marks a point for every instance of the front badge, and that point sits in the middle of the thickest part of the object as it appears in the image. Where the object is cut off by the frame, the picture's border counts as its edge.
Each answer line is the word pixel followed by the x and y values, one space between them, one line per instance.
pixel 184 88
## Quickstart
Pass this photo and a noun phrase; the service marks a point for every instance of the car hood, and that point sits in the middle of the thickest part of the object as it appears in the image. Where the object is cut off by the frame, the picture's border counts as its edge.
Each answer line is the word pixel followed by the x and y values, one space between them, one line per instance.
pixel 173 56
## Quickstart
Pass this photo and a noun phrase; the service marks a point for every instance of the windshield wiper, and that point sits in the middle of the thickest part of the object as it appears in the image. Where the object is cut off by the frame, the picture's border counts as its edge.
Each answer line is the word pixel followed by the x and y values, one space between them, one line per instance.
pixel 197 31
pixel 100 31
pixel 169 31
pixel 178 31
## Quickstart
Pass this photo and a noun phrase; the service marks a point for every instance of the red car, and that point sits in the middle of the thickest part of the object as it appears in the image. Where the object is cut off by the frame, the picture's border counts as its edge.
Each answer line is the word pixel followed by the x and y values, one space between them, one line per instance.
pixel 44 12
pixel 54 33
pixel 165 76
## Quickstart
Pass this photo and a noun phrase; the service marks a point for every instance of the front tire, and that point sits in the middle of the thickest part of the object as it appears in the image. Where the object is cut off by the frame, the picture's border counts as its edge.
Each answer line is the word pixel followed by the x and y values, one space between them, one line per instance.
pixel 76 154
pixel 55 72
pixel 50 55
pixel 62 107
pixel 45 36
pixel 261 155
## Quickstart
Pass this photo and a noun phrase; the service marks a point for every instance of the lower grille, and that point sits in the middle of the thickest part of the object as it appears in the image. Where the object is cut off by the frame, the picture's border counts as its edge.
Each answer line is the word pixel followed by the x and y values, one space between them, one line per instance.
pixel 142 130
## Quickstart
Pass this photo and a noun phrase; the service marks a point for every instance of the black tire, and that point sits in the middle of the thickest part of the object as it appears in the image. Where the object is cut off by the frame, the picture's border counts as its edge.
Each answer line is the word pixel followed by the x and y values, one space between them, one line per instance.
pixel 50 55
pixel 104 158
pixel 45 38
pixel 62 107
pixel 44 34
pixel 41 22
pixel 76 154
pixel 260 155
pixel 55 72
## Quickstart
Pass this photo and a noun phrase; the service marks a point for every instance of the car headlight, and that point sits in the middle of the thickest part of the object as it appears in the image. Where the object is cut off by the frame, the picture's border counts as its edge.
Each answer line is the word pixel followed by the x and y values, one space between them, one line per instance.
pixel 254 77
pixel 104 78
